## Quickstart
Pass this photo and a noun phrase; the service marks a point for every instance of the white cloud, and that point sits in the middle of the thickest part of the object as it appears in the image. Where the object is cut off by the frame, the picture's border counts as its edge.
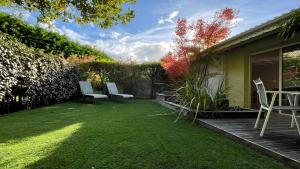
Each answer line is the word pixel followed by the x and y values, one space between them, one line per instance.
pixel 236 21
pixel 115 35
pixel 43 25
pixel 161 21
pixel 207 15
pixel 26 15
pixel 71 34
pixel 50 26
pixel 75 36
pixel 173 14
pixel 150 45
pixel 137 50
pixel 169 19
pixel 102 35
pixel 92 24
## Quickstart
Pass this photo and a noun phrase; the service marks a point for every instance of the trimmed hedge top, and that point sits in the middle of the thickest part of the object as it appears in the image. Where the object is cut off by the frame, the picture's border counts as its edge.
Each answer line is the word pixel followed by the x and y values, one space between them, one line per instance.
pixel 50 42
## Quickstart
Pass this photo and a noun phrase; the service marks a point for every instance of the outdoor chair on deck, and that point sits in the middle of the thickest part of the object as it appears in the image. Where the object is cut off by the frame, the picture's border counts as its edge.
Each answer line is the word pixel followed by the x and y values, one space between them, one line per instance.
pixel 113 91
pixel 87 90
pixel 264 105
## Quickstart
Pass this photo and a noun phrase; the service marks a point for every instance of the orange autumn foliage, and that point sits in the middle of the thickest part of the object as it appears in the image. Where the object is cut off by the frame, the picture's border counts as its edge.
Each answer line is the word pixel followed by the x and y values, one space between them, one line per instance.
pixel 196 36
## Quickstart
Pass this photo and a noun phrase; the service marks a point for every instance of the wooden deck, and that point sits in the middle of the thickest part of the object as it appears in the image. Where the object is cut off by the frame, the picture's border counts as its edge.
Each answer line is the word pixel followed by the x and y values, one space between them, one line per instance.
pixel 280 140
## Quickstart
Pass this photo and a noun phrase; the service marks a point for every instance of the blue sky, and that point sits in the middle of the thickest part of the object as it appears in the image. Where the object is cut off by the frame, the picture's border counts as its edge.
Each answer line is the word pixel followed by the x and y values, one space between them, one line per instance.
pixel 150 34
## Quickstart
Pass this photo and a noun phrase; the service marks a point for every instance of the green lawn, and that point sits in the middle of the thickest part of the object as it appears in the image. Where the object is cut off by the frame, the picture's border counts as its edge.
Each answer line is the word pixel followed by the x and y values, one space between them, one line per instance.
pixel 124 134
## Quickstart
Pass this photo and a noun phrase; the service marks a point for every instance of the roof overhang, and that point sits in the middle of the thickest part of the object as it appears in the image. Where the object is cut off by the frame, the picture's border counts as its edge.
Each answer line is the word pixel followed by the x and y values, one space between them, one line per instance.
pixel 266 29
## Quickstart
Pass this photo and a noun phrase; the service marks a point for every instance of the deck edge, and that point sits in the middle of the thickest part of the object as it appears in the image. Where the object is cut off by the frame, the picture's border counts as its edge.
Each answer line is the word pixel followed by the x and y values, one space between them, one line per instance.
pixel 279 157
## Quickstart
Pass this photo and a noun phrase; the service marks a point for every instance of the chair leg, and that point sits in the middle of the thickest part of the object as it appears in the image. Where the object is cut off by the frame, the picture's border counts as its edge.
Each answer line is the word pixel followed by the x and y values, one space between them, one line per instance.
pixel 268 115
pixel 265 123
pixel 296 100
pixel 293 100
pixel 296 122
pixel 258 117
pixel 293 122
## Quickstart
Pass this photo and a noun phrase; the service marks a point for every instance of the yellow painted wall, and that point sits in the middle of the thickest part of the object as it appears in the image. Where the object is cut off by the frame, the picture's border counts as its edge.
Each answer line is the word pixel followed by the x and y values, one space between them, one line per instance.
pixel 237 67
pixel 234 77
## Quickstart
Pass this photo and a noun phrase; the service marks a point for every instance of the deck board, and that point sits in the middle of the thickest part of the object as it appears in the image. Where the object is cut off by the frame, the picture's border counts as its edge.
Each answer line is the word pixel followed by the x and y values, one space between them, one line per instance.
pixel 280 140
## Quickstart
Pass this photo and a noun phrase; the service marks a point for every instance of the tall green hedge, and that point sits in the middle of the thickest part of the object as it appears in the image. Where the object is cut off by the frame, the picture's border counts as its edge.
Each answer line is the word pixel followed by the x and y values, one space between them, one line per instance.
pixel 50 42
pixel 138 79
pixel 30 77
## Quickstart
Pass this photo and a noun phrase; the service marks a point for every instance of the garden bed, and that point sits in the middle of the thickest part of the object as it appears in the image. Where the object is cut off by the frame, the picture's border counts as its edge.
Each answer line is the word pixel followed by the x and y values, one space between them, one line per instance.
pixel 232 112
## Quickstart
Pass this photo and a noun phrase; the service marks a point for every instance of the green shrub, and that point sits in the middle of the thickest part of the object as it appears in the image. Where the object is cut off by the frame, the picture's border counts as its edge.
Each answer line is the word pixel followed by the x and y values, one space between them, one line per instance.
pixel 137 79
pixel 32 77
pixel 199 90
pixel 50 42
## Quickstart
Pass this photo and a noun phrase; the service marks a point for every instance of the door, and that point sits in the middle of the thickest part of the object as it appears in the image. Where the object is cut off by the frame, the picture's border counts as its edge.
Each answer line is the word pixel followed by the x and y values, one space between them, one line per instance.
pixel 264 66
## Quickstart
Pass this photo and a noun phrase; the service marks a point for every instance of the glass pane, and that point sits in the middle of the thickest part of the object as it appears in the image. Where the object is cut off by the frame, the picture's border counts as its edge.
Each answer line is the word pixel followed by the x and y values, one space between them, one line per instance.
pixel 266 67
pixel 291 68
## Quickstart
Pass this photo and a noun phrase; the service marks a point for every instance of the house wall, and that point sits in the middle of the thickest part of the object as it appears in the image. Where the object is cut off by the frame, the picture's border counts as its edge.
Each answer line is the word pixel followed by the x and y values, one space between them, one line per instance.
pixel 237 66
pixel 234 77
pixel 216 68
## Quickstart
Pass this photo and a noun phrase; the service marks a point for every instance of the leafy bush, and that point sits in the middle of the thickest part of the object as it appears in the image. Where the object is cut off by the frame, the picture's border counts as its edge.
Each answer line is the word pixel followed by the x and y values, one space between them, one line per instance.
pixel 50 42
pixel 31 77
pixel 138 79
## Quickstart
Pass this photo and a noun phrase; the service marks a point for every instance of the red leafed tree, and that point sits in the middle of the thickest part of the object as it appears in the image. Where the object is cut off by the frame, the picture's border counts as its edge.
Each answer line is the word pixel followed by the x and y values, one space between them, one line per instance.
pixel 175 67
pixel 196 37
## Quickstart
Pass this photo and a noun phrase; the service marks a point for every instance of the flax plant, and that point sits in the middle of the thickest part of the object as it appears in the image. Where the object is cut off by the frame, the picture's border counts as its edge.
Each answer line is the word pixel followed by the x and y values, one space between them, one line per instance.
pixel 196 94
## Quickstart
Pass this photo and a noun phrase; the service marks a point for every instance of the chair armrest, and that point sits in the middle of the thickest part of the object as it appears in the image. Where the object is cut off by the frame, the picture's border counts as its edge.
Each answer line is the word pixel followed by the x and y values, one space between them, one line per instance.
pixel 284 92
pixel 273 92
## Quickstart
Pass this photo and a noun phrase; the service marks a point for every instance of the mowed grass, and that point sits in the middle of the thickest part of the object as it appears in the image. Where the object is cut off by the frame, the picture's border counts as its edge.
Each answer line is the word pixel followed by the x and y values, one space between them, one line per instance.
pixel 125 134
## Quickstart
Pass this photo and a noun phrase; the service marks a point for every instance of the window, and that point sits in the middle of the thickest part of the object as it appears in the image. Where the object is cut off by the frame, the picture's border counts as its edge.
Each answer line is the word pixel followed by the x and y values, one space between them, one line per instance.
pixel 291 68
pixel 264 66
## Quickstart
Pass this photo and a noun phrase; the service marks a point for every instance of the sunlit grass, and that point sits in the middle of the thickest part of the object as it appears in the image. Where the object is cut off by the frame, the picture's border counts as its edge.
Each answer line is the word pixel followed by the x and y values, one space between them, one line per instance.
pixel 116 135
pixel 22 152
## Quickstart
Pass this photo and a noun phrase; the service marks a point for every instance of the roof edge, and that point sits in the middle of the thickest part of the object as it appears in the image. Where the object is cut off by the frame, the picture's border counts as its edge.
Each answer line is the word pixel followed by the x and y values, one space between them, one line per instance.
pixel 276 22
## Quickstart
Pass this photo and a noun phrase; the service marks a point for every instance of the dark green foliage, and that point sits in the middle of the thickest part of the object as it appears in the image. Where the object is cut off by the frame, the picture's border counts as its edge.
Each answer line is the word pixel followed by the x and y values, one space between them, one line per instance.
pixel 30 77
pixel 50 42
pixel 103 13
pixel 291 26
pixel 291 66
pixel 138 79
pixel 133 134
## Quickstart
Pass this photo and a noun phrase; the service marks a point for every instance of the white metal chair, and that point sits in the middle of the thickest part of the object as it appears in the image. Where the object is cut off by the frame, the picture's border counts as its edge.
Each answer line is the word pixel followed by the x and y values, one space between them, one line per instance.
pixel 113 91
pixel 87 90
pixel 293 100
pixel 264 105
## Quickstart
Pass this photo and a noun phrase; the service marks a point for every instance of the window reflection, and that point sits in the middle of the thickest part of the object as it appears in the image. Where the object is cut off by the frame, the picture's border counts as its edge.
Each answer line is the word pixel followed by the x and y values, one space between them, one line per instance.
pixel 266 67
pixel 291 68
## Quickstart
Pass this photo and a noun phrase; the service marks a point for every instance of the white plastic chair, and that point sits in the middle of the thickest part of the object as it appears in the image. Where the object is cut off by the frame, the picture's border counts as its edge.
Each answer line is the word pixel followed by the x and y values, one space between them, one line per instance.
pixel 263 100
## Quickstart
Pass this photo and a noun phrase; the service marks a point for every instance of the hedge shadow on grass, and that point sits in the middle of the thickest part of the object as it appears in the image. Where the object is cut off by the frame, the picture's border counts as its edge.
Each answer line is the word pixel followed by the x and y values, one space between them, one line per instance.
pixel 29 123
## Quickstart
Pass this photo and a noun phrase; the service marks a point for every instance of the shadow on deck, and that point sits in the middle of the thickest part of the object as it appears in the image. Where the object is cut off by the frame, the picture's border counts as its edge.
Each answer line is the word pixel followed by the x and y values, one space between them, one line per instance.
pixel 280 140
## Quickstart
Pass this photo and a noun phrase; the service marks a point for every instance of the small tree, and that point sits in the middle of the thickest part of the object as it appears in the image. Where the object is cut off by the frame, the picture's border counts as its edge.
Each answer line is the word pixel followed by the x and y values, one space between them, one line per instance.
pixel 103 13
pixel 192 39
